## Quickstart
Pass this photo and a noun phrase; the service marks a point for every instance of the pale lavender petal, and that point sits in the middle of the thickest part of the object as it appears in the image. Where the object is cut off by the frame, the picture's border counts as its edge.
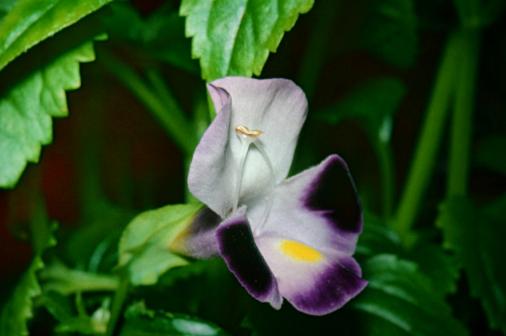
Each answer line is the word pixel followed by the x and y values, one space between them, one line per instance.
pixel 278 108
pixel 317 285
pixel 318 207
pixel 212 166
pixel 240 253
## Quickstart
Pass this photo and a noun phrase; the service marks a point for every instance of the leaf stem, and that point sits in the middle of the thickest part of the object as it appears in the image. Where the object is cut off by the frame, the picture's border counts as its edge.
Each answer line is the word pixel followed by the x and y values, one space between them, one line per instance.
pixel 428 143
pixel 315 54
pixel 458 168
pixel 386 162
pixel 162 105
pixel 119 299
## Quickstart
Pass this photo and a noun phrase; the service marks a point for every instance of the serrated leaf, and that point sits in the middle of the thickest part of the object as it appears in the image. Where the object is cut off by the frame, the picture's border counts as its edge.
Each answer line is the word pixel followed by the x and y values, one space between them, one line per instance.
pixel 144 245
pixel 235 37
pixel 373 104
pixel 390 31
pixel 31 21
pixel 402 298
pixel 377 238
pixel 441 268
pixel 476 236
pixel 18 310
pixel 141 321
pixel 27 108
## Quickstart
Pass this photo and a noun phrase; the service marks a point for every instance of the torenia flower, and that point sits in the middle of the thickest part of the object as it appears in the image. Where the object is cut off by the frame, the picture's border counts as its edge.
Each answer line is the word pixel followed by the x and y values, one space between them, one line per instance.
pixel 281 238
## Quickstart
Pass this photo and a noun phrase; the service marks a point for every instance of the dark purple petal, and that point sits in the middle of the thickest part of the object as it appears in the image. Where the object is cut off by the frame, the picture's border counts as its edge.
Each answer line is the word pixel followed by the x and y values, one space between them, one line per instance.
pixel 338 284
pixel 332 193
pixel 239 251
pixel 199 239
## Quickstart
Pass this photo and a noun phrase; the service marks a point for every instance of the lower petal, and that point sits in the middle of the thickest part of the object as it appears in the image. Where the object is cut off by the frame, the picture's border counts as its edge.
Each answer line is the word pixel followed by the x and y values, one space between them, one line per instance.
pixel 237 247
pixel 313 281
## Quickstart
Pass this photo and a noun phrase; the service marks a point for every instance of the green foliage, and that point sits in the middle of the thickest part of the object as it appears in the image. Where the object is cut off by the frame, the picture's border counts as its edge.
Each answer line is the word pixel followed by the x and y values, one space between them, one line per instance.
pixel 235 37
pixel 441 268
pixel 145 244
pixel 390 31
pixel 161 35
pixel 60 308
pixel 27 107
pixel 140 321
pixel 476 236
pixel 490 153
pixel 32 21
pixel 401 300
pixel 373 104
pixel 19 309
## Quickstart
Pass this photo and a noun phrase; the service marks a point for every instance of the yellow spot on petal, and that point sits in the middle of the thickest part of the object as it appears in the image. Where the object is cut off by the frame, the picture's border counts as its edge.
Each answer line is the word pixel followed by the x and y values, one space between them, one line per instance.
pixel 300 252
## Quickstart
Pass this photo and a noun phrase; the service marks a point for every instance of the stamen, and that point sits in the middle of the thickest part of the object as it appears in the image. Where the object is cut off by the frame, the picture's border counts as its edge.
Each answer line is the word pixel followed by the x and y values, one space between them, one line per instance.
pixel 243 130
pixel 247 137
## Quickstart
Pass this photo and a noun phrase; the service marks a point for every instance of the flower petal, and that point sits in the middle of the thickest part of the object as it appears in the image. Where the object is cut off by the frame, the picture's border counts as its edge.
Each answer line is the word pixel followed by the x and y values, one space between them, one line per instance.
pixel 198 240
pixel 238 249
pixel 318 207
pixel 212 161
pixel 314 282
pixel 277 108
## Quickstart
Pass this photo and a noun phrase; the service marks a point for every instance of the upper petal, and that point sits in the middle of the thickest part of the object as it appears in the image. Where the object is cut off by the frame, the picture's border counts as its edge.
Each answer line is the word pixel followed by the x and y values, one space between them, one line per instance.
pixel 278 108
pixel 213 162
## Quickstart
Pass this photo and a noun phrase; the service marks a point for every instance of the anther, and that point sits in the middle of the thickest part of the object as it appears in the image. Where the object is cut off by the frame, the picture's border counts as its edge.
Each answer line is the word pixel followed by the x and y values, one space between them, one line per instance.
pixel 244 131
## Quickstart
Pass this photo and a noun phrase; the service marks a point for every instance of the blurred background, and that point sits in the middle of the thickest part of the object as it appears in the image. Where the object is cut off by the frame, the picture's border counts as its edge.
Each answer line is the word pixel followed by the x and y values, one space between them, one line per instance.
pixel 112 159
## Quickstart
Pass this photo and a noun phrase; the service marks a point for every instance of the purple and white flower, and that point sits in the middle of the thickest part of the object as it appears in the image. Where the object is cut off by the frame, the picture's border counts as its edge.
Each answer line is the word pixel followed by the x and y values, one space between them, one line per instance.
pixel 281 237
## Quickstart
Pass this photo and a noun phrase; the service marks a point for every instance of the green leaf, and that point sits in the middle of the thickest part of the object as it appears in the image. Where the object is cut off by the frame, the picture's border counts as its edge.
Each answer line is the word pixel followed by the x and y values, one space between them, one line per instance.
pixel 18 310
pixel 390 31
pixel 235 37
pixel 161 35
pixel 373 104
pixel 400 298
pixel 145 244
pixel 32 21
pixel 139 321
pixel 490 153
pixel 27 107
pixel 377 238
pixel 441 268
pixel 476 235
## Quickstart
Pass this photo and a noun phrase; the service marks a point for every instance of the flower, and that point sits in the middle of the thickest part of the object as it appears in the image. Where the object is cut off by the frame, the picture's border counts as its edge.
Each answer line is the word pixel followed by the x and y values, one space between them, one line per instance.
pixel 281 238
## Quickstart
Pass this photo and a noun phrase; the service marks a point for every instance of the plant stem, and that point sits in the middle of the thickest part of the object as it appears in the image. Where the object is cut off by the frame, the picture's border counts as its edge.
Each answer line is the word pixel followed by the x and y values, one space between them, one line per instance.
pixel 314 56
pixel 170 117
pixel 386 163
pixel 117 304
pixel 458 169
pixel 428 143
